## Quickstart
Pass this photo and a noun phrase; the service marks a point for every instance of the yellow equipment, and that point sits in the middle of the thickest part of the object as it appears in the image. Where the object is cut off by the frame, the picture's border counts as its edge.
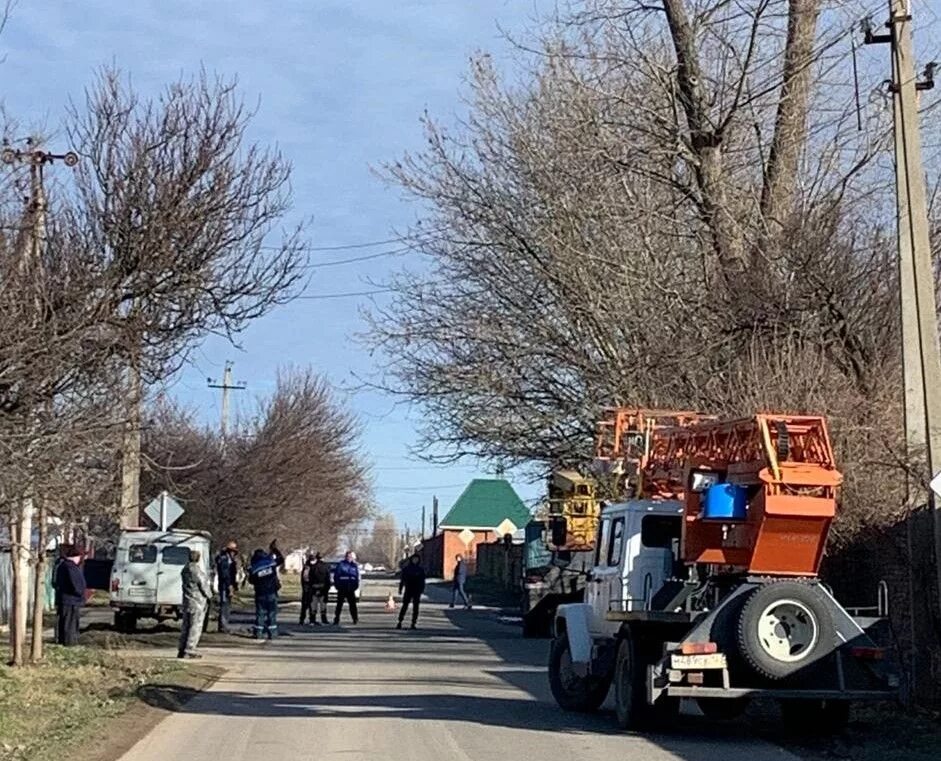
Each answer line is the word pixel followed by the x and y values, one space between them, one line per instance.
pixel 573 512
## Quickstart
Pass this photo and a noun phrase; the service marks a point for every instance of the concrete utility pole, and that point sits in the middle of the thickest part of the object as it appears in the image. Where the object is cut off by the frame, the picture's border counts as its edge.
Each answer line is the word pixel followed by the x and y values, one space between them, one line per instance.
pixel 226 386
pixel 30 245
pixel 921 356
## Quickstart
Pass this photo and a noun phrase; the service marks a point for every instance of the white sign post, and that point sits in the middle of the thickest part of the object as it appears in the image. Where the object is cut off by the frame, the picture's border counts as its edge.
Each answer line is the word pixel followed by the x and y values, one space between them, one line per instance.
pixel 164 511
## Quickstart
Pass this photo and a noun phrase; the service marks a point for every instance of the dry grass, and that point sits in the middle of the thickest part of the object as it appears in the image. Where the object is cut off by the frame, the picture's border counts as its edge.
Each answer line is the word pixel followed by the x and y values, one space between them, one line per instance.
pixel 45 709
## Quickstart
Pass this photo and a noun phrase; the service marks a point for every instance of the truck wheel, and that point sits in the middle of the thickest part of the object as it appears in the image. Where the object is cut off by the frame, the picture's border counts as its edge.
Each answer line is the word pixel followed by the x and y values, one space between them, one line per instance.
pixel 631 708
pixel 571 691
pixel 815 718
pixel 784 627
pixel 125 621
pixel 722 709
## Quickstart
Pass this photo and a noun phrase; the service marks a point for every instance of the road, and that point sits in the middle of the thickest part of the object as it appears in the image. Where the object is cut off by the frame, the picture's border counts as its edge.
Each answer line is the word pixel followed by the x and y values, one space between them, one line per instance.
pixel 465 686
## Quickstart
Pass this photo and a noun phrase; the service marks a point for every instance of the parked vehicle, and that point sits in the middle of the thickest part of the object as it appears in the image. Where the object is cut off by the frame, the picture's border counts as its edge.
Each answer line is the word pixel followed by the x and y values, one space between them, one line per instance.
pixel 705 586
pixel 145 577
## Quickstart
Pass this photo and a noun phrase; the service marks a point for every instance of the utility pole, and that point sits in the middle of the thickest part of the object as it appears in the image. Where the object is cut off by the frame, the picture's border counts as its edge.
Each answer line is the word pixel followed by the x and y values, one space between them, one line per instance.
pixel 30 244
pixel 226 386
pixel 921 357
pixel 434 516
pixel 422 535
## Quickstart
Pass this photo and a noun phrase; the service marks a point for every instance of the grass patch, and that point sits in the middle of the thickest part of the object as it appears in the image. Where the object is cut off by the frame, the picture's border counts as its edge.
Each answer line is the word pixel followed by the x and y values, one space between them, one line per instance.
pixel 47 708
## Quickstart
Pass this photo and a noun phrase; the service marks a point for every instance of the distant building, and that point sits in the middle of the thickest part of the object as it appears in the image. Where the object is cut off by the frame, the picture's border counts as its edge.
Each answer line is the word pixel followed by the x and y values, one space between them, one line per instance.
pixel 488 509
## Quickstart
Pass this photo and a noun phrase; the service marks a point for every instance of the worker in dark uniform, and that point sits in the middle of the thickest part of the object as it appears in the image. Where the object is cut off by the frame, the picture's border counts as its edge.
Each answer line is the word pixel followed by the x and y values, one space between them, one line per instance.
pixel 227 581
pixel 411 587
pixel 307 591
pixel 197 593
pixel 346 580
pixel 69 585
pixel 263 576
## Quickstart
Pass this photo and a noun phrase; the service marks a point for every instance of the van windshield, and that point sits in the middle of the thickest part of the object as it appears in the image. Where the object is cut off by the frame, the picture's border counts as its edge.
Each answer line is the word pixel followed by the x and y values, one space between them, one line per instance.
pixel 175 555
pixel 142 553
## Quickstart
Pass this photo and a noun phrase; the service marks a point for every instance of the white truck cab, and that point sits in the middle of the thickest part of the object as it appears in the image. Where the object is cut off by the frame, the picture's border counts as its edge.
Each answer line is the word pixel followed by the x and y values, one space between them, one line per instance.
pixel 146 575
pixel 637 547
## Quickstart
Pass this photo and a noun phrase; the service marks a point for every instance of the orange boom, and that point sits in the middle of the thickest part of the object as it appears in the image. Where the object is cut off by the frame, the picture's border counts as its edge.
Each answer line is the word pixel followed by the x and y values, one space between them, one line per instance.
pixel 779 467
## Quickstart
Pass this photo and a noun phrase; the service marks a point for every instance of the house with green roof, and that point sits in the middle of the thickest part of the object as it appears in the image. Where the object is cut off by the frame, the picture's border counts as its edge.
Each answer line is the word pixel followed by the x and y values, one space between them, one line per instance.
pixel 487 510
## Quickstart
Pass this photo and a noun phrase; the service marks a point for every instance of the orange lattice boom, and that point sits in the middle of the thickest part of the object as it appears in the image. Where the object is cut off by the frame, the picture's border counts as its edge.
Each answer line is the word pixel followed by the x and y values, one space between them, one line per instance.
pixel 784 462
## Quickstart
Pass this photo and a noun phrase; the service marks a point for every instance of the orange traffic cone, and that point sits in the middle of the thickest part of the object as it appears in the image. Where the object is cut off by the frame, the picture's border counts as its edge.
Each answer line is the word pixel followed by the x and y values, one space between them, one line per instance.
pixel 390 604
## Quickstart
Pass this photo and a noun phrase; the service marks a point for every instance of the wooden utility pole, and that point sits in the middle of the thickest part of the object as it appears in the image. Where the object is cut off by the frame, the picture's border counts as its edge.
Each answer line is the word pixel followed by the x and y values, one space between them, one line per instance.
pixel 226 386
pixel 921 356
pixel 30 245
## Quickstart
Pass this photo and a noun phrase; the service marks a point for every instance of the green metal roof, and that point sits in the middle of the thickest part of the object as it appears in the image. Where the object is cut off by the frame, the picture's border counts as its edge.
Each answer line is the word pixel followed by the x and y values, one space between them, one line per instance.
pixel 486 503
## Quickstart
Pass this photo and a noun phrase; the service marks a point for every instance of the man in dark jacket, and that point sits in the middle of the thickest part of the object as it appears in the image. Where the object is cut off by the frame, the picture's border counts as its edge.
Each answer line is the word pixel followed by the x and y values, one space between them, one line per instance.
pixel 227 579
pixel 69 584
pixel 412 584
pixel 320 589
pixel 307 590
pixel 263 576
pixel 276 554
pixel 346 580
pixel 460 579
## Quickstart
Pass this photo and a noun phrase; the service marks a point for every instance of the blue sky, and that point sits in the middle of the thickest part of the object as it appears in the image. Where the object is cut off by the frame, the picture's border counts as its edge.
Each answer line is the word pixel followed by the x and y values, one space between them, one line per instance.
pixel 341 86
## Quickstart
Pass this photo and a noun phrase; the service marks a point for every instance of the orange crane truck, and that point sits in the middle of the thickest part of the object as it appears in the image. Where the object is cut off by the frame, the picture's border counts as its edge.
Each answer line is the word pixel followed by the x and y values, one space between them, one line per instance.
pixel 705 582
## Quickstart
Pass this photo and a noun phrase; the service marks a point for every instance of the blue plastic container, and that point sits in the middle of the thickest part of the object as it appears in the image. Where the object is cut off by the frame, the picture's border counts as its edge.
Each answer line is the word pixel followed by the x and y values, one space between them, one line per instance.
pixel 725 502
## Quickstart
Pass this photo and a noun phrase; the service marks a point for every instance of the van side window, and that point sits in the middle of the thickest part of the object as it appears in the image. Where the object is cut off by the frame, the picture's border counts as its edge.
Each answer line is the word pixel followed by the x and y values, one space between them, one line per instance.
pixel 175 555
pixel 142 553
pixel 660 530
pixel 617 543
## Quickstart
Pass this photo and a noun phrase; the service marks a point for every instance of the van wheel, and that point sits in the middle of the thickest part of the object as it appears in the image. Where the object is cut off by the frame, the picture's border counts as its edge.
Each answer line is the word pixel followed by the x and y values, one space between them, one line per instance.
pixel 571 691
pixel 631 708
pixel 125 622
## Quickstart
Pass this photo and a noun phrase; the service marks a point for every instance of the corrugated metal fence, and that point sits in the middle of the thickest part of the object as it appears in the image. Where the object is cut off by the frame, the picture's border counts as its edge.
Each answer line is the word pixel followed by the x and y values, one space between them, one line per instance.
pixel 501 564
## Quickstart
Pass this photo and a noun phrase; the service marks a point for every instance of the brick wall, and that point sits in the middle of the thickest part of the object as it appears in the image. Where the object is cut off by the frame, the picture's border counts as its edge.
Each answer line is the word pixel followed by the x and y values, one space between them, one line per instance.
pixel 903 557
pixel 438 552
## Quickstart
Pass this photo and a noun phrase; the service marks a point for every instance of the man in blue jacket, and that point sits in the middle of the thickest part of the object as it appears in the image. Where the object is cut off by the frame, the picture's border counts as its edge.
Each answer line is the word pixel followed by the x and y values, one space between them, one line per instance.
pixel 346 581
pixel 227 581
pixel 69 585
pixel 263 576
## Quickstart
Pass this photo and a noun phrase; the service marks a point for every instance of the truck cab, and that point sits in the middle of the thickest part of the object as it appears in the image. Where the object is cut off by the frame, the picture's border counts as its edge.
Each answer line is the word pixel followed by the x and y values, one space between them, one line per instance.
pixel 635 556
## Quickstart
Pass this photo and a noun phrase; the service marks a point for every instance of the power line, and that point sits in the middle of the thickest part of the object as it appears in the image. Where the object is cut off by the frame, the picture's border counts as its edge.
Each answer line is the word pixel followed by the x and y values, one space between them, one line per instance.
pixel 351 294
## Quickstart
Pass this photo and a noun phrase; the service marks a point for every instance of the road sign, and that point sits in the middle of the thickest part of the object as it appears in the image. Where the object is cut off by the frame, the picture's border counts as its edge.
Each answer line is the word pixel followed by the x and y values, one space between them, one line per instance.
pixel 164 511
pixel 935 484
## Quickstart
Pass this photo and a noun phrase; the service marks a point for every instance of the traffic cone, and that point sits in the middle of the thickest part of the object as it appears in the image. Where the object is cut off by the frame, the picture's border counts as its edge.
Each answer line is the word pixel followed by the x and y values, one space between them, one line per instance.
pixel 390 604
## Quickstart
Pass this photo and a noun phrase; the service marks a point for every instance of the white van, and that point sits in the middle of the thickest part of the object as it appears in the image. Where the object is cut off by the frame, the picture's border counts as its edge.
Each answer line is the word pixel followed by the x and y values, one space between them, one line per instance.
pixel 146 575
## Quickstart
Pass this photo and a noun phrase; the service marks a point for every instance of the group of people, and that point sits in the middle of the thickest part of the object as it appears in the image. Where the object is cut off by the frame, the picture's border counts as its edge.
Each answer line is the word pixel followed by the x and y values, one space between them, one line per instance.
pixel 264 573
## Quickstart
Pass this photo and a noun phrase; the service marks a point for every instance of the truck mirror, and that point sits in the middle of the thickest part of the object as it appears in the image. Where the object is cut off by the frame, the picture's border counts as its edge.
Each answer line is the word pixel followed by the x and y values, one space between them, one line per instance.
pixel 559 529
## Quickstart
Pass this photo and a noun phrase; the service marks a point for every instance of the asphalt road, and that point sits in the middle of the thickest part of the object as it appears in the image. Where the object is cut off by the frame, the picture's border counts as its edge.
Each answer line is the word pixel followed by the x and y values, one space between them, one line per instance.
pixel 465 687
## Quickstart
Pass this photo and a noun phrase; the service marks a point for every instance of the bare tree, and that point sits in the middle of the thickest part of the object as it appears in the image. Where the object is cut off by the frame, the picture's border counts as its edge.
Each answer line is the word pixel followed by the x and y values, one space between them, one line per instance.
pixel 176 210
pixel 673 208
pixel 291 469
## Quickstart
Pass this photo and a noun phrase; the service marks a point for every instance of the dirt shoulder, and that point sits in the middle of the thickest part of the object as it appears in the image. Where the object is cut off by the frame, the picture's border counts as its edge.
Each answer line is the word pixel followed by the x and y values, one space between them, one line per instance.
pixel 89 704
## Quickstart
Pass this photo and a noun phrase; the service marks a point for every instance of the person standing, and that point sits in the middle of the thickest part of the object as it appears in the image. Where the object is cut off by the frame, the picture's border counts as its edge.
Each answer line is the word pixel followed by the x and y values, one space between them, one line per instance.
pixel 460 579
pixel 263 576
pixel 412 583
pixel 227 579
pixel 307 590
pixel 346 580
pixel 276 554
pixel 197 594
pixel 69 585
pixel 320 587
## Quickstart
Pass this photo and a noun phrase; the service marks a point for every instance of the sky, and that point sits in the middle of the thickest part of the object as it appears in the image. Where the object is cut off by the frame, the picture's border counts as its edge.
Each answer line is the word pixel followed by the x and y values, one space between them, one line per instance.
pixel 340 87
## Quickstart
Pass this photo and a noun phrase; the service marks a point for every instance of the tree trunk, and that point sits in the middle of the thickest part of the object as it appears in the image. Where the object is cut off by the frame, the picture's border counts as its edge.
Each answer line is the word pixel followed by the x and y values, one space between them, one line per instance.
pixel 39 588
pixel 20 536
pixel 790 127
pixel 130 457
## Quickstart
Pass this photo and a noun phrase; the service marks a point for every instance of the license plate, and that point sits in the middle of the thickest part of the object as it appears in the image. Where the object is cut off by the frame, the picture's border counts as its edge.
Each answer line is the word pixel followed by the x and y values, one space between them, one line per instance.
pixel 698 662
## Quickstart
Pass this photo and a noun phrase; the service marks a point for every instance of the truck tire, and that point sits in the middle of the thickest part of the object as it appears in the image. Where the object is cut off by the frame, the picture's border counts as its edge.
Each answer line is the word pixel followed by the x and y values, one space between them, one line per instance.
pixel 581 694
pixel 815 718
pixel 631 709
pixel 125 621
pixel 784 627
